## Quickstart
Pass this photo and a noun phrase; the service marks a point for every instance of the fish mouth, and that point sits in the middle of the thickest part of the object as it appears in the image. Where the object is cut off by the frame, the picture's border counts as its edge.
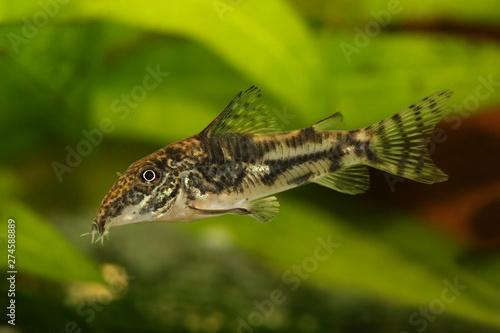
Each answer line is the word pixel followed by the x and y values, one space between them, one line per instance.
pixel 99 230
pixel 97 227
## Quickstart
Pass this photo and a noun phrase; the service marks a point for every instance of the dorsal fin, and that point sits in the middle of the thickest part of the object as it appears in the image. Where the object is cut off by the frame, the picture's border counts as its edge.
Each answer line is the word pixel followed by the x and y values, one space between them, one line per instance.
pixel 240 116
pixel 332 123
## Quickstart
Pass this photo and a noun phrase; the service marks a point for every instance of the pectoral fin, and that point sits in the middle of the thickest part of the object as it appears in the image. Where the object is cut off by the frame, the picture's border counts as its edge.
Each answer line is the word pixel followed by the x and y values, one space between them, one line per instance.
pixel 264 209
pixel 216 212
pixel 261 210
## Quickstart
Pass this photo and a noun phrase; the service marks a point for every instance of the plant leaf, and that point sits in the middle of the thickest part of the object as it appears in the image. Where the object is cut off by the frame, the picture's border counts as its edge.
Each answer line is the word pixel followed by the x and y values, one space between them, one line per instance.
pixel 42 251
pixel 386 266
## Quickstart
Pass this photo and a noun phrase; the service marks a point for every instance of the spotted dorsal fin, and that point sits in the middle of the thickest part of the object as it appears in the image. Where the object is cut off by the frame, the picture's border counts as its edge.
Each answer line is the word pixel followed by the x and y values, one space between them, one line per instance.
pixel 333 123
pixel 240 116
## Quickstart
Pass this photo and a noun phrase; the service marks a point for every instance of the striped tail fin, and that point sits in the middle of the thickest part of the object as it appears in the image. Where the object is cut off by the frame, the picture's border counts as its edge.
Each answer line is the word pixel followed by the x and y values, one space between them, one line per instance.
pixel 400 142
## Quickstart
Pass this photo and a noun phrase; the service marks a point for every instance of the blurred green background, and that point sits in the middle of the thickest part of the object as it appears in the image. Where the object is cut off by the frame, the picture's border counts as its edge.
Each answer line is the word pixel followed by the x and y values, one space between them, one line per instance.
pixel 79 103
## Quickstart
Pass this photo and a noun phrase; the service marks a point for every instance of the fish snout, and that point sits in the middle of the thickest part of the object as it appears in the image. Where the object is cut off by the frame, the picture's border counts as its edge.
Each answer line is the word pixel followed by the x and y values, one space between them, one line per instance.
pixel 98 226
pixel 98 229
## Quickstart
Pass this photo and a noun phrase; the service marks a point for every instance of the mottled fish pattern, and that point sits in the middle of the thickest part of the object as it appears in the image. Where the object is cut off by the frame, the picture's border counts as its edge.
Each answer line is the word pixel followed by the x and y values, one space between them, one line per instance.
pixel 240 160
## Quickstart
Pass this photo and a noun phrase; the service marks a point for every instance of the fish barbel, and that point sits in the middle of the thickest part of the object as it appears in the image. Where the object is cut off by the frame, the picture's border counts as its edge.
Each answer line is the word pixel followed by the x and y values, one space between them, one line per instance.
pixel 240 160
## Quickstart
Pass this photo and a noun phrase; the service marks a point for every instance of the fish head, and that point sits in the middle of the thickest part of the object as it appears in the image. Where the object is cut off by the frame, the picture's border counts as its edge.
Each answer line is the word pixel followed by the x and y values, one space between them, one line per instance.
pixel 144 193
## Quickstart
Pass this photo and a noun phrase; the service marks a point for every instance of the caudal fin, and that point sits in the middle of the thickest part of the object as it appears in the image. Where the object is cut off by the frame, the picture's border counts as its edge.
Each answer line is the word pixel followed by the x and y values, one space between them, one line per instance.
pixel 400 142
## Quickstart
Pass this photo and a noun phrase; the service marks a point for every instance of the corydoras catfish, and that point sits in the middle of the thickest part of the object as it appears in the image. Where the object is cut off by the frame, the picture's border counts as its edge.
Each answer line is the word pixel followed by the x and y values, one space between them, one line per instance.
pixel 241 159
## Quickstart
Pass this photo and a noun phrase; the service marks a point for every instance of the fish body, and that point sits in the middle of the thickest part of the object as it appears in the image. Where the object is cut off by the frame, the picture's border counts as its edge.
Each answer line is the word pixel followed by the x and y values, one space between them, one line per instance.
pixel 239 161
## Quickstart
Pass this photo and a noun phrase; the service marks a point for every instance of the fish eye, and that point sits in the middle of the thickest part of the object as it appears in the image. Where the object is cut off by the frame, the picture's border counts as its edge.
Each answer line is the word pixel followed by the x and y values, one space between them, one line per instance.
pixel 148 175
